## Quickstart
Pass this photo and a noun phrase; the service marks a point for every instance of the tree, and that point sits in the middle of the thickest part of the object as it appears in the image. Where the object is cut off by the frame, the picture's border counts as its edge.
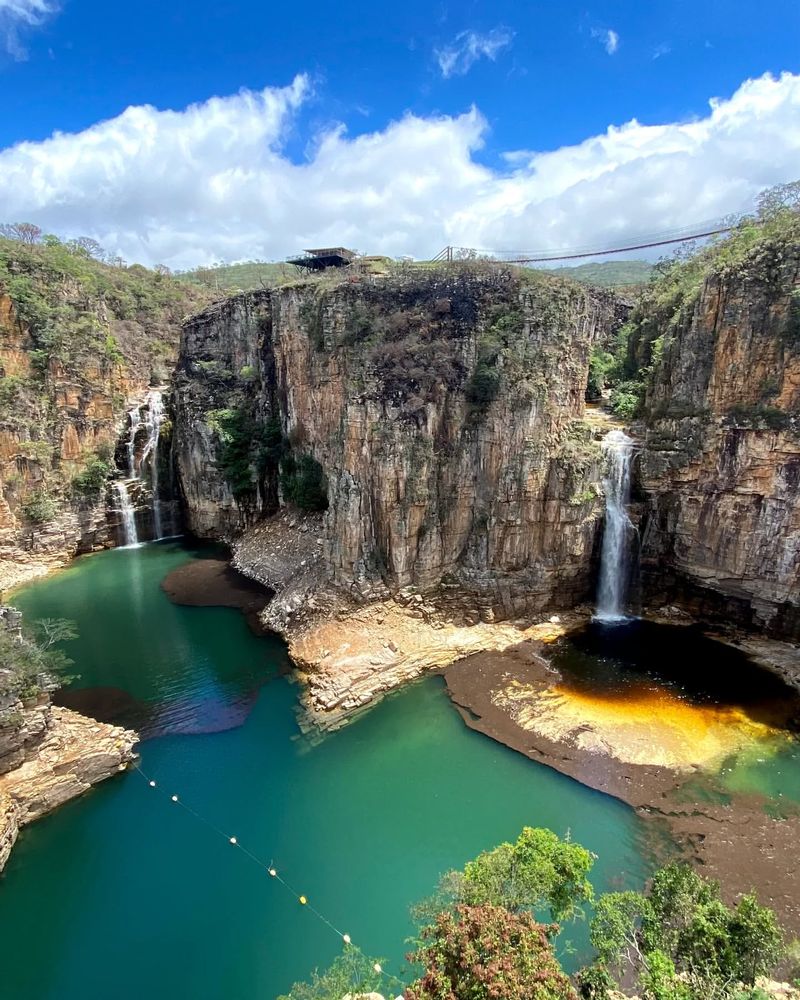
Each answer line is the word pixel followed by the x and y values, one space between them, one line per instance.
pixel 23 232
pixel 488 953
pixel 30 663
pixel 681 936
pixel 777 199
pixel 351 973
pixel 538 870
pixel 87 247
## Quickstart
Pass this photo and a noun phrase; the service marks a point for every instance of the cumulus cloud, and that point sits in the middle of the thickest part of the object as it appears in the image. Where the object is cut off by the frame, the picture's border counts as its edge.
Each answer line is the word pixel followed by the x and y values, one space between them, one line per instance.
pixel 17 15
pixel 214 181
pixel 608 38
pixel 468 47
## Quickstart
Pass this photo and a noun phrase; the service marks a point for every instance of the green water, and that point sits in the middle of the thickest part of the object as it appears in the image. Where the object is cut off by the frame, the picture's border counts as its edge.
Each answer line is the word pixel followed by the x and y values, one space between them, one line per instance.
pixel 122 894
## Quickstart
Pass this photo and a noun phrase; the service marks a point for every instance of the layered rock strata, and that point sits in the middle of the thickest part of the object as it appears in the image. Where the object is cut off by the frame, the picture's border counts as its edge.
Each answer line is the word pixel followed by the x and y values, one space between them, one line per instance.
pixel 71 754
pixel 445 412
pixel 719 468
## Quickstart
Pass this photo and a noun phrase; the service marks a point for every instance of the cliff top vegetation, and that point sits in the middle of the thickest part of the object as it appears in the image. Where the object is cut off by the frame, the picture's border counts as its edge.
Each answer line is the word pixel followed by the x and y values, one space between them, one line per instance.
pixel 253 274
pixel 756 252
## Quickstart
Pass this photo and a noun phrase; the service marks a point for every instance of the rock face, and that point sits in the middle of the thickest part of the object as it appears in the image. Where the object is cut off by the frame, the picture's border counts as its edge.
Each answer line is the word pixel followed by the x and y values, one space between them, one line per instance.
pixel 445 410
pixel 719 469
pixel 71 754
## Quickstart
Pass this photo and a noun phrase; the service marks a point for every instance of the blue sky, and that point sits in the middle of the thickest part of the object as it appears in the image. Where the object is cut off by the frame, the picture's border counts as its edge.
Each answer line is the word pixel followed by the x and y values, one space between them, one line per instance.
pixel 542 78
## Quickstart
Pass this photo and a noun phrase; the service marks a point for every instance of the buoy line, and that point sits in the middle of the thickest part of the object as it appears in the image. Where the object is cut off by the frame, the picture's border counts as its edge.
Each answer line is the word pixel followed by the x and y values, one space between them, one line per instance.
pixel 270 870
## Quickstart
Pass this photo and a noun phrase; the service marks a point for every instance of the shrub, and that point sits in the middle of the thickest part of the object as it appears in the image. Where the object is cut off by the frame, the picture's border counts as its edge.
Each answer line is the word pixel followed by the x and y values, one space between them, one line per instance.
pixel 90 483
pixel 759 416
pixel 39 506
pixel 680 933
pixel 486 952
pixel 351 974
pixel 303 482
pixel 483 387
pixel 626 399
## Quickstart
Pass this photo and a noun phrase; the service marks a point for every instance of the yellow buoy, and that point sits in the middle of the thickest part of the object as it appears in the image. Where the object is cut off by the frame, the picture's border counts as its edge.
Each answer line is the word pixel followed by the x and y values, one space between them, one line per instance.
pixel 303 900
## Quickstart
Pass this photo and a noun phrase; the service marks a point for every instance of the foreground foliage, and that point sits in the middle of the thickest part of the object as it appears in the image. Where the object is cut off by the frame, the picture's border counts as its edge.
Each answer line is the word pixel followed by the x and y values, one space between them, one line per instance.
pixel 681 941
pixel 351 974
pixel 32 663
pixel 479 939
pixel 487 953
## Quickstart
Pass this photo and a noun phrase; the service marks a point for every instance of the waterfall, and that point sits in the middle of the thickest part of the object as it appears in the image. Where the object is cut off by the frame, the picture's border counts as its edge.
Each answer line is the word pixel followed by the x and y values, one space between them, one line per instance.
pixel 135 418
pixel 153 421
pixel 128 516
pixel 614 559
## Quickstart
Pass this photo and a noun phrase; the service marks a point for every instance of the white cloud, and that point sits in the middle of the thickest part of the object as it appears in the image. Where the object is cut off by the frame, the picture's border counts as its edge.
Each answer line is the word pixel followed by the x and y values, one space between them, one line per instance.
pixel 214 181
pixel 663 49
pixel 608 37
pixel 21 14
pixel 468 47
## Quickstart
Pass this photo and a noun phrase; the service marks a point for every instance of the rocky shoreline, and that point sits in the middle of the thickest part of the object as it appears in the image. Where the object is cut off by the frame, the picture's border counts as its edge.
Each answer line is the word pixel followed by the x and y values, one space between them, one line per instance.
pixel 71 754
pixel 736 842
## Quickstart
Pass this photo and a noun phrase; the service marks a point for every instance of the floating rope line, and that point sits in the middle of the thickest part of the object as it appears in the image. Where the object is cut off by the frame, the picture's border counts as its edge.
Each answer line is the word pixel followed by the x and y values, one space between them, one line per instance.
pixel 270 869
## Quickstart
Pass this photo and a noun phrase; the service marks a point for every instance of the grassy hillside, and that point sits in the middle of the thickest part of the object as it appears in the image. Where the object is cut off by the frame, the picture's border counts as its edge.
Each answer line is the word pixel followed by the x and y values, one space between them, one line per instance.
pixel 242 277
pixel 608 273
pixel 261 274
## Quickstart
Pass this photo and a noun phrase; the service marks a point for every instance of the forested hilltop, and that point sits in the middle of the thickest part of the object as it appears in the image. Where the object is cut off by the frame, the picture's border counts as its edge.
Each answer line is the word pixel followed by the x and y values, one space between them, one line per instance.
pixel 81 338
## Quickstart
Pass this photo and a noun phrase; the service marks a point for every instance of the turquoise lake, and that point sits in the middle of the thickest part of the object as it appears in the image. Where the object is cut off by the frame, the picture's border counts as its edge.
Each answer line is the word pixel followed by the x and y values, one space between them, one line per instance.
pixel 123 894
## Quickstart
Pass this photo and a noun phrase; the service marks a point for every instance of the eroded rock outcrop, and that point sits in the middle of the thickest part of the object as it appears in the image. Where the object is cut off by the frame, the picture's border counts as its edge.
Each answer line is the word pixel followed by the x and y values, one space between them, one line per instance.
pixel 720 463
pixel 71 754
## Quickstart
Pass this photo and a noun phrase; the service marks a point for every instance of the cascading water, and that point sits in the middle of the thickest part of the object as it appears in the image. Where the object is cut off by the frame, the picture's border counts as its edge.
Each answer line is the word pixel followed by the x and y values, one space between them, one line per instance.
pixel 153 421
pixel 615 555
pixel 142 460
pixel 127 513
pixel 135 418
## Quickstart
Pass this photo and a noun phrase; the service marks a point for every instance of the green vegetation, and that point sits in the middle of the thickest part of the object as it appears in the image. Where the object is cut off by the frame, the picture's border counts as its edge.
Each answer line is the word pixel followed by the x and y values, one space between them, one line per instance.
pixel 243 277
pixel 352 973
pixel 91 324
pixel 237 450
pixel 608 273
pixel 479 938
pixel 303 482
pixel 31 664
pixel 755 251
pixel 248 450
pixel 537 871
pixel 681 941
pixel 90 483
pixel 602 371
pixel 486 952
pixel 39 507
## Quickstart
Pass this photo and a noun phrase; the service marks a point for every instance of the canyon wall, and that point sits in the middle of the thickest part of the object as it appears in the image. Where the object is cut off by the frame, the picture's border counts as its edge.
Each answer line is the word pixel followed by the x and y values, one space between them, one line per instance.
pixel 444 408
pixel 80 342
pixel 719 470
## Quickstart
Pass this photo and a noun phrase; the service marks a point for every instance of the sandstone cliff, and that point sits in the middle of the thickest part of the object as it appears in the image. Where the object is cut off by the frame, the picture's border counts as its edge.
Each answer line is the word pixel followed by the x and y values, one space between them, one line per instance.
pixel 719 470
pixel 444 409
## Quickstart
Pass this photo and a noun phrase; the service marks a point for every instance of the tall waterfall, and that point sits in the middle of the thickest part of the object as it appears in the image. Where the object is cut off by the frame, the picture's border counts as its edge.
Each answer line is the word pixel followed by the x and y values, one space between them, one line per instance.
pixel 127 513
pixel 153 422
pixel 615 556
pixel 141 456
pixel 135 418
